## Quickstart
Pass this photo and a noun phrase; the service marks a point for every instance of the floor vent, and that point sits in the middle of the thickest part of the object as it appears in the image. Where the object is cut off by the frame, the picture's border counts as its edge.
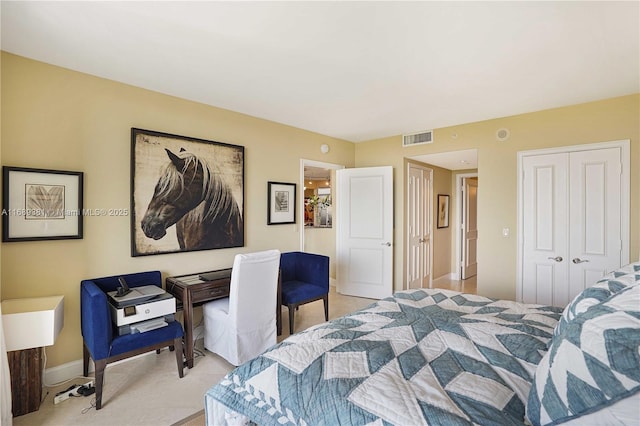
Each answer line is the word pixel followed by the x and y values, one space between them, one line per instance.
pixel 417 138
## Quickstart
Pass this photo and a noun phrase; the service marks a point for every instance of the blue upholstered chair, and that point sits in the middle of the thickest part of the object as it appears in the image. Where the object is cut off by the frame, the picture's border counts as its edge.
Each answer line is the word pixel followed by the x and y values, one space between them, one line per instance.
pixel 100 338
pixel 305 278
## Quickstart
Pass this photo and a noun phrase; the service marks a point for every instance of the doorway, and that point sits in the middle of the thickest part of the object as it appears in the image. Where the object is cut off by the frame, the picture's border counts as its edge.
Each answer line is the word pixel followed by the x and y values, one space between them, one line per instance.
pixel 449 169
pixel 466 226
pixel 317 231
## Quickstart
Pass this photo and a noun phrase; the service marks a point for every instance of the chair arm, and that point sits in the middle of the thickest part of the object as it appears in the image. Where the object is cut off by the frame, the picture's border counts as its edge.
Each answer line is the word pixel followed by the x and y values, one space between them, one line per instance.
pixel 95 320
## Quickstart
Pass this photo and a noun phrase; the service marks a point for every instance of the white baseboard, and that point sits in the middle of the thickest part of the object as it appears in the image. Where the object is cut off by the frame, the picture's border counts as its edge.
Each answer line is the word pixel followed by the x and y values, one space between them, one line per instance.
pixel 73 369
pixel 64 372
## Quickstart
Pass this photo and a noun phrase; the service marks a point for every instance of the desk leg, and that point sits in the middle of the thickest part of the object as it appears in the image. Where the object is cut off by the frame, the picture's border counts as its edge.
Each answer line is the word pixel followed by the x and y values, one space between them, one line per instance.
pixel 187 311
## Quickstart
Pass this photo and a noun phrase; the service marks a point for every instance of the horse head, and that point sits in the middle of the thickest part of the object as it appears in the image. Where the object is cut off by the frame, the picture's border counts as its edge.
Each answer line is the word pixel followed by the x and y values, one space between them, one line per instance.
pixel 178 190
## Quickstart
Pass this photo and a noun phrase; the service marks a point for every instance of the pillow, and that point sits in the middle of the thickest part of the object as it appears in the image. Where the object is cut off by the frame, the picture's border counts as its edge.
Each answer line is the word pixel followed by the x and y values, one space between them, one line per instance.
pixel 592 364
pixel 611 283
pixel 621 278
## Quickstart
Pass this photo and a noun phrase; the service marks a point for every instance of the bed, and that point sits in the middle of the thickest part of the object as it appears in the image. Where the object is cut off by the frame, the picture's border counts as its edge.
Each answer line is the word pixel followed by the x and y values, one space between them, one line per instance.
pixel 436 356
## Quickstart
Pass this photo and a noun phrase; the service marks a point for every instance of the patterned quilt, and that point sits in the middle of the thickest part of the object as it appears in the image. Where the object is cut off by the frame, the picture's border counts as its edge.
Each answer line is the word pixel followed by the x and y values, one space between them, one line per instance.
pixel 419 357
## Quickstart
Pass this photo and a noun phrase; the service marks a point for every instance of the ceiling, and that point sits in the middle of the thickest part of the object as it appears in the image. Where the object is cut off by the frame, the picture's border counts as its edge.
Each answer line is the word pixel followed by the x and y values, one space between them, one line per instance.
pixel 351 70
pixel 453 160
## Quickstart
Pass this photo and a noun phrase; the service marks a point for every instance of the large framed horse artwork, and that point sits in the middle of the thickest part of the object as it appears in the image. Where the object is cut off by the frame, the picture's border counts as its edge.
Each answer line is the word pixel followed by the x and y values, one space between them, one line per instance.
pixel 187 194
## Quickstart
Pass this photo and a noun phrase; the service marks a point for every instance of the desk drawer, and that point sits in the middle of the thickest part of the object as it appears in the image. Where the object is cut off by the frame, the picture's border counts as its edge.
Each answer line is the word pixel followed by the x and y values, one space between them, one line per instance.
pixel 210 294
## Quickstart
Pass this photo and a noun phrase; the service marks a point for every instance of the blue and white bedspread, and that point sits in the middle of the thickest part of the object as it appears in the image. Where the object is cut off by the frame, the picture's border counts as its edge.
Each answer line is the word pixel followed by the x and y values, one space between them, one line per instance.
pixel 420 357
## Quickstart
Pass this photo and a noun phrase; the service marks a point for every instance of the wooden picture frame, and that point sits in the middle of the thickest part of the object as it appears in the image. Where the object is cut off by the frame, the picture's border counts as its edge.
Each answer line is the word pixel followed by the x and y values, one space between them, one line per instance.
pixel 187 194
pixel 443 211
pixel 281 203
pixel 41 204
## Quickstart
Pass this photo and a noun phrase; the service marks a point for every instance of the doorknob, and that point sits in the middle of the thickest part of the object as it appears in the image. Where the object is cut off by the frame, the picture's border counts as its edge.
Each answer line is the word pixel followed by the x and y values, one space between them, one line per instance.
pixel 421 240
pixel 388 244
pixel 578 260
pixel 557 258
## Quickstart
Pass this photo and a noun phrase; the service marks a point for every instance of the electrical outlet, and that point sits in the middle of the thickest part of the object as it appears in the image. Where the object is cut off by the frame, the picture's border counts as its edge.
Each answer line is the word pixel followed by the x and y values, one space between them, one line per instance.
pixel 63 396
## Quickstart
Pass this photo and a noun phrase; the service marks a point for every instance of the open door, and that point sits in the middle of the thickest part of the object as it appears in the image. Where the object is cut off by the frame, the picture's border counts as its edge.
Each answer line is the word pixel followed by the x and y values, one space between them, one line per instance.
pixel 470 228
pixel 364 232
pixel 418 226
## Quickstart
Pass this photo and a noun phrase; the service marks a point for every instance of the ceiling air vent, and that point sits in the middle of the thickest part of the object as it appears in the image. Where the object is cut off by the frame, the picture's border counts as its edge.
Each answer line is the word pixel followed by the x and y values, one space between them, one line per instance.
pixel 417 138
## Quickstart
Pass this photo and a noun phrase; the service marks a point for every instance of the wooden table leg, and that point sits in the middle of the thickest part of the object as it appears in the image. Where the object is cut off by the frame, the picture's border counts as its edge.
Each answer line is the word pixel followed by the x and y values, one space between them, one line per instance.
pixel 25 369
pixel 187 309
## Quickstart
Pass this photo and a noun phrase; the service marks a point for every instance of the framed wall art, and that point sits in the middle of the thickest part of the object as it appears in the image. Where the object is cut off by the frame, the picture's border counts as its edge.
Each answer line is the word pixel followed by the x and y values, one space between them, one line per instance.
pixel 443 211
pixel 41 204
pixel 281 203
pixel 187 194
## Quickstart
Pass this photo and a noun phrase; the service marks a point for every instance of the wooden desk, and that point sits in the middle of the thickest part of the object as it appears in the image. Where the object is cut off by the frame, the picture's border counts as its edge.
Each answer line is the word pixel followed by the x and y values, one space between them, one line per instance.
pixel 192 291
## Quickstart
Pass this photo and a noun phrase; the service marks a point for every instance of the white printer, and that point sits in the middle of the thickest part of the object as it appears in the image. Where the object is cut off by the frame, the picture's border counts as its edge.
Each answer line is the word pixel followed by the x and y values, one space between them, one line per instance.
pixel 141 309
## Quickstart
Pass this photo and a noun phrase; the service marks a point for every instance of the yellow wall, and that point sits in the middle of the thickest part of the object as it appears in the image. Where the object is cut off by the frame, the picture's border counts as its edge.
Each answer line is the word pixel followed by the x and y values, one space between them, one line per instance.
pixel 607 120
pixel 53 118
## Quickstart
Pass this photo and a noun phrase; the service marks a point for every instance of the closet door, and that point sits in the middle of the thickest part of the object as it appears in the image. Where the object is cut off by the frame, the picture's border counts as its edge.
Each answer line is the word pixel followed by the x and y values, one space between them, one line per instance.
pixel 595 213
pixel 546 229
pixel 572 222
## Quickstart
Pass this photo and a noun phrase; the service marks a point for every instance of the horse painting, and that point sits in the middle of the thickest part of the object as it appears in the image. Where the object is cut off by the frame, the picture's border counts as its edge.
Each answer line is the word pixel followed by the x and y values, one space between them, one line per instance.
pixel 198 201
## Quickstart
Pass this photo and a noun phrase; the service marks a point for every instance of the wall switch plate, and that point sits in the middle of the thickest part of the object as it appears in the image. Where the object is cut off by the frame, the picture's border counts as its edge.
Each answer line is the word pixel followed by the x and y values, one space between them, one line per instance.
pixel 505 232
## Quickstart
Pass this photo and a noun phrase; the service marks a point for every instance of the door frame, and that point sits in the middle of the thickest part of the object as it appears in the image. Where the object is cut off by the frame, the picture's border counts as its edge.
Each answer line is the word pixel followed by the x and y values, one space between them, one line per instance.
pixel 310 163
pixel 457 274
pixel 625 196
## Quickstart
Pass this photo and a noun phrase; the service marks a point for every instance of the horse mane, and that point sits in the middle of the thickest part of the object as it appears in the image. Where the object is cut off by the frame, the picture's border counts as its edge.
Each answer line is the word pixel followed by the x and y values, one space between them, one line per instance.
pixel 215 192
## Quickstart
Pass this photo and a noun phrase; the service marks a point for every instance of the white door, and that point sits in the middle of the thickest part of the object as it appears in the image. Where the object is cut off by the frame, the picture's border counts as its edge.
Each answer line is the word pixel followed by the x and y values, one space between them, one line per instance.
pixel 595 238
pixel 572 222
pixel 470 228
pixel 545 208
pixel 418 254
pixel 364 232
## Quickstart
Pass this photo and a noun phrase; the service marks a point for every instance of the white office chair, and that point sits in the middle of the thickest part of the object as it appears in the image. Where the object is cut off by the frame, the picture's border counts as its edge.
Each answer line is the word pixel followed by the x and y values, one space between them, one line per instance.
pixel 243 325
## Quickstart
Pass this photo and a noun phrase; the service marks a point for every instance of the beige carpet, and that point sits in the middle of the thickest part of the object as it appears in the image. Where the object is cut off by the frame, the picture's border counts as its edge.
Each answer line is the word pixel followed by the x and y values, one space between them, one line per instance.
pixel 146 391
pixel 196 419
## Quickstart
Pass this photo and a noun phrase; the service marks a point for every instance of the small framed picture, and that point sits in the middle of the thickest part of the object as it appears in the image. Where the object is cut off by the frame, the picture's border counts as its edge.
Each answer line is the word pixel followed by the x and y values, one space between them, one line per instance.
pixel 443 211
pixel 281 203
pixel 40 204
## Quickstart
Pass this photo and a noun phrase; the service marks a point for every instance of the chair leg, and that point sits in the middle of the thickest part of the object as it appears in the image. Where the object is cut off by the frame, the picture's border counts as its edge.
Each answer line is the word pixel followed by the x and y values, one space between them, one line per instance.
pixel 100 366
pixel 291 315
pixel 326 307
pixel 178 349
pixel 85 360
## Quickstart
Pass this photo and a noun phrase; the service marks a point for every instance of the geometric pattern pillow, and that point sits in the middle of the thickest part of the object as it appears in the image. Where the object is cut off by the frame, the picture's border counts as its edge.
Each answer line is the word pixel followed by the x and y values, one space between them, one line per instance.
pixel 611 283
pixel 621 278
pixel 593 363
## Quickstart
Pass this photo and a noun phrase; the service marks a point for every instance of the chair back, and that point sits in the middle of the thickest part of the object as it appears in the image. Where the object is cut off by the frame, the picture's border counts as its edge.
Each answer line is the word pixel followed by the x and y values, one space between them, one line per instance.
pixel 305 267
pixel 253 289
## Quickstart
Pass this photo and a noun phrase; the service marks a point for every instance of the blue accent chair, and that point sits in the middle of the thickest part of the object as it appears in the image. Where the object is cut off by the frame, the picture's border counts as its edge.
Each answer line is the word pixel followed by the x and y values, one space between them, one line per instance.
pixel 304 278
pixel 99 334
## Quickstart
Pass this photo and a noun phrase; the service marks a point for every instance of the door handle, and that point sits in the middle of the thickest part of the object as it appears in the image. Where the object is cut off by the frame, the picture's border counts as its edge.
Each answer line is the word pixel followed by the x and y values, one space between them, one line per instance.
pixel 388 244
pixel 557 258
pixel 421 240
pixel 578 260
